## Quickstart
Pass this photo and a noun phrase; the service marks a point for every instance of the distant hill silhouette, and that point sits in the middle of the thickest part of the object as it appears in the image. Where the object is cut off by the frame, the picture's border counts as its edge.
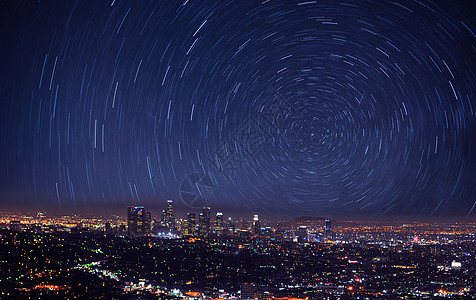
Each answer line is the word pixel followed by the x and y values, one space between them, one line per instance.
pixel 308 219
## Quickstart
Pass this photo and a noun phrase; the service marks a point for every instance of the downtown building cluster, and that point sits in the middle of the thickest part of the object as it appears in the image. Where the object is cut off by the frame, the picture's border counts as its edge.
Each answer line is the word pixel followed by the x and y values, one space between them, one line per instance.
pixel 140 223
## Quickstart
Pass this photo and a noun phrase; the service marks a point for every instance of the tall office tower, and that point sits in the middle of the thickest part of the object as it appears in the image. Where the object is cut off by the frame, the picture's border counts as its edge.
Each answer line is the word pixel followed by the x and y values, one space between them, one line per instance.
pixel 202 227
pixel 146 223
pixel 279 232
pixel 191 223
pixel 132 219
pixel 219 224
pixel 138 221
pixel 206 213
pixel 256 225
pixel 231 228
pixel 163 218
pixel 204 222
pixel 170 209
pixel 184 228
pixel 328 229
pixel 169 215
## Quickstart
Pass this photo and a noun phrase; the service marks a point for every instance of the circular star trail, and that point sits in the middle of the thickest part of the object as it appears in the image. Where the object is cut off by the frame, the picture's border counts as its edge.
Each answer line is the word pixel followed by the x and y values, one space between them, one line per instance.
pixel 311 107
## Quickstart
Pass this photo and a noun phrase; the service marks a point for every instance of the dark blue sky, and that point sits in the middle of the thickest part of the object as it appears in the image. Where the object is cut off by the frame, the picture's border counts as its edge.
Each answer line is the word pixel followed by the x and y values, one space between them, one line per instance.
pixel 311 107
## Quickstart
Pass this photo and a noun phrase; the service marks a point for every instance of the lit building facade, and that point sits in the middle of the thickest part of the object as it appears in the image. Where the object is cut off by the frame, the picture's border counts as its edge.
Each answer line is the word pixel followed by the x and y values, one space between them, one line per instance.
pixel 138 221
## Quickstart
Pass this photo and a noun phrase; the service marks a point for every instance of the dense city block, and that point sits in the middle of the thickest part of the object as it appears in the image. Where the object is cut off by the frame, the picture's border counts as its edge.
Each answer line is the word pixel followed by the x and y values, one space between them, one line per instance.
pixel 308 258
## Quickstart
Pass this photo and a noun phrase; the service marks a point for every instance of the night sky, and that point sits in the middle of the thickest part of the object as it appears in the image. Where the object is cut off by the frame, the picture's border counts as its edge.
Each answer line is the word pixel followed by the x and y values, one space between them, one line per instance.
pixel 286 107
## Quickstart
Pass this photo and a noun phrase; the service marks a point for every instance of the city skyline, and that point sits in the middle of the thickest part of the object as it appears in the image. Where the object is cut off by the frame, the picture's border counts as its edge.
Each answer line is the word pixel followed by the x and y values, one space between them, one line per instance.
pixel 225 258
pixel 181 212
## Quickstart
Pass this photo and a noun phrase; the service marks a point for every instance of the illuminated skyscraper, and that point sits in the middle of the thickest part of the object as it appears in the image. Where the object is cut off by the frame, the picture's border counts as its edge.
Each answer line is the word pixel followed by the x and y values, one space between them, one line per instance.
pixel 256 225
pixel 206 214
pixel 201 225
pixel 219 224
pixel 190 230
pixel 279 232
pixel 328 229
pixel 204 222
pixel 170 209
pixel 231 227
pixel 138 221
pixel 163 218
pixel 168 216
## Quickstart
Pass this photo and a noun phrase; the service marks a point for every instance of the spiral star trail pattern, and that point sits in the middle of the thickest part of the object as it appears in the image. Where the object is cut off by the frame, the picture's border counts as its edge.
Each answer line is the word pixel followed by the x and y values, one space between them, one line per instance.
pixel 116 103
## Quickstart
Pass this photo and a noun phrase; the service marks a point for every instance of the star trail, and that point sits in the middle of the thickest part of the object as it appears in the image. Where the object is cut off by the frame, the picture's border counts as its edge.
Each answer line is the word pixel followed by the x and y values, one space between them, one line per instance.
pixel 304 107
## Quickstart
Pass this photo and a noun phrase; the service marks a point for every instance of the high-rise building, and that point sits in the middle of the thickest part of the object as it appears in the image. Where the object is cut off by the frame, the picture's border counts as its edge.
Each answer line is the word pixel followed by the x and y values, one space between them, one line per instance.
pixel 201 224
pixel 163 218
pixel 206 214
pixel 138 221
pixel 204 222
pixel 190 225
pixel 231 228
pixel 168 216
pixel 184 228
pixel 170 209
pixel 279 232
pixel 256 225
pixel 219 224
pixel 328 229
